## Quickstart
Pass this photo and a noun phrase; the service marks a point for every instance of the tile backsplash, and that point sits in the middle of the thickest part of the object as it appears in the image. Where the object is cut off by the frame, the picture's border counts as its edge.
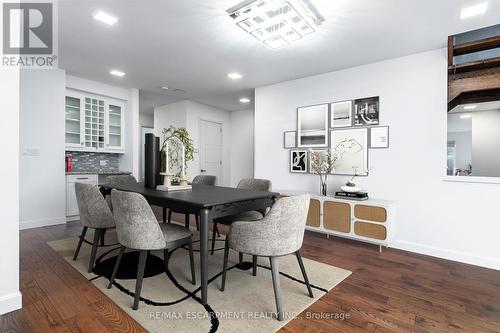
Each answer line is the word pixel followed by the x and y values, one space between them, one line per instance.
pixel 94 162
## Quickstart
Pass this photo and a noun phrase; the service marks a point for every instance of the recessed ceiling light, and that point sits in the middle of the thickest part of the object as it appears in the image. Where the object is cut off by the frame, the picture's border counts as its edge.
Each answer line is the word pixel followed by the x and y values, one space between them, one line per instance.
pixel 165 88
pixel 105 18
pixel 245 100
pixel 116 73
pixel 234 76
pixel 276 23
pixel 470 107
pixel 473 10
pixel 465 116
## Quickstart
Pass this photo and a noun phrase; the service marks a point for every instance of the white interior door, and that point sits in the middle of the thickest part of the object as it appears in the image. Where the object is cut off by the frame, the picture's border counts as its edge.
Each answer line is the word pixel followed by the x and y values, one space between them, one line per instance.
pixel 144 131
pixel 211 149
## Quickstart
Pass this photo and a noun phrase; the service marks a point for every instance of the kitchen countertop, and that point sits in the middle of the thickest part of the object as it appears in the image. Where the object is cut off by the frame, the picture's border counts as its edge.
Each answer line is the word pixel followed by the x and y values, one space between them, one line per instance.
pixel 117 172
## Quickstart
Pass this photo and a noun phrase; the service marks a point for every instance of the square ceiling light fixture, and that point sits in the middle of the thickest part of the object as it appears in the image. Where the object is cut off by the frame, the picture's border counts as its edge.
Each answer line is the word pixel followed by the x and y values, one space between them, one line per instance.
pixel 276 23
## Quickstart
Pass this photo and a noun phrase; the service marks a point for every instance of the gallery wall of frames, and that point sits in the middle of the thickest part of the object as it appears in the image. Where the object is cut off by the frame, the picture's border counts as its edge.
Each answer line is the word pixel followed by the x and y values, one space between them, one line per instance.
pixel 348 128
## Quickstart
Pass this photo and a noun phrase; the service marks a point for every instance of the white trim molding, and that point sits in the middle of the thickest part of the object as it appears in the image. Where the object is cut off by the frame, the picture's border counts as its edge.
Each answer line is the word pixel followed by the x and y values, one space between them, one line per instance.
pixel 488 262
pixel 41 223
pixel 10 302
pixel 472 179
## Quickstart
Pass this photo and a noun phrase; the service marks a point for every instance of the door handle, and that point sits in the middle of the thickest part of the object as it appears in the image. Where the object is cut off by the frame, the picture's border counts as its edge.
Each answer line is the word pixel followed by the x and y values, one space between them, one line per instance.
pixel 203 170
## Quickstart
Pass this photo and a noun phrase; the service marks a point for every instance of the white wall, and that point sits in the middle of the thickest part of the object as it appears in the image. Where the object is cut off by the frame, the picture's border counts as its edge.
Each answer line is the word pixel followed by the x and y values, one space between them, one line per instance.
pixel 174 114
pixel 486 143
pixel 146 120
pixel 188 114
pixel 242 140
pixel 10 297
pixel 42 178
pixel 445 219
pixel 130 160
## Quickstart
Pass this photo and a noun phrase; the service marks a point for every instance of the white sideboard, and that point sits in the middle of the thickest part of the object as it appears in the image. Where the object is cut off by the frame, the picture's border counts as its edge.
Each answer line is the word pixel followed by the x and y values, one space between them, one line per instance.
pixel 370 221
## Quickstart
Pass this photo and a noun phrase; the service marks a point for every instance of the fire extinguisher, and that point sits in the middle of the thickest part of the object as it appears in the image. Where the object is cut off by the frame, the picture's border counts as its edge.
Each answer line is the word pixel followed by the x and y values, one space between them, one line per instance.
pixel 68 162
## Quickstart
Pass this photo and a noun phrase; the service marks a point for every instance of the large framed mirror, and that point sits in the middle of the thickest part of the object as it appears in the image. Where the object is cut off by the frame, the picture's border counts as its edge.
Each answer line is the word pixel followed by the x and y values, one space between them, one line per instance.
pixel 473 118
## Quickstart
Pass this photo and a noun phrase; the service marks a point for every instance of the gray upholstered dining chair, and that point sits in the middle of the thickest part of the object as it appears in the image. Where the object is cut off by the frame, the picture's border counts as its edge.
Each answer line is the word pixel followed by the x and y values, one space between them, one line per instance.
pixel 138 229
pixel 118 180
pixel 280 233
pixel 253 215
pixel 202 180
pixel 95 214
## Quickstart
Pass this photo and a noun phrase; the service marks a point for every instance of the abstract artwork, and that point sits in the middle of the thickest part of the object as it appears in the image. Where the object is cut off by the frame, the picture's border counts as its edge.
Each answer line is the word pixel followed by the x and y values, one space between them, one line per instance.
pixel 341 114
pixel 351 149
pixel 366 111
pixel 298 161
pixel 312 126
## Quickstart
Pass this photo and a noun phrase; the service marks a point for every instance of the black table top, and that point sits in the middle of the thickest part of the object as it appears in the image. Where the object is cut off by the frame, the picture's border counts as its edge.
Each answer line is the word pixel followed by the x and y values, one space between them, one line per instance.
pixel 203 196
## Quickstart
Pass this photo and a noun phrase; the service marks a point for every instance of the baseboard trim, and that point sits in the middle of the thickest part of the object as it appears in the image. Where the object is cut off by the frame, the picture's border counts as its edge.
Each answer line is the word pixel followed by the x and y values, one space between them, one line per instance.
pixel 463 257
pixel 10 302
pixel 41 223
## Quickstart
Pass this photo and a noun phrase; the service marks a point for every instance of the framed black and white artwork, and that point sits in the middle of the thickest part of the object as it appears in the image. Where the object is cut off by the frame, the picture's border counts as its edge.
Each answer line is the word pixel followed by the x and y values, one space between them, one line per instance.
pixel 366 111
pixel 379 137
pixel 289 139
pixel 312 126
pixel 298 161
pixel 350 146
pixel 341 114
pixel 318 154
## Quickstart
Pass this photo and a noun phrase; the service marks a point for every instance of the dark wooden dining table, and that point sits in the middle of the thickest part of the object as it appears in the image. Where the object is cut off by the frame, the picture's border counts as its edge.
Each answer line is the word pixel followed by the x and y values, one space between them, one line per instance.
pixel 208 202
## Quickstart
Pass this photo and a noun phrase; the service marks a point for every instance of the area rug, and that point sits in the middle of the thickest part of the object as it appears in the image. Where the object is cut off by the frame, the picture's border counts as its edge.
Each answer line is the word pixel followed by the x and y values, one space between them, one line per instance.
pixel 170 303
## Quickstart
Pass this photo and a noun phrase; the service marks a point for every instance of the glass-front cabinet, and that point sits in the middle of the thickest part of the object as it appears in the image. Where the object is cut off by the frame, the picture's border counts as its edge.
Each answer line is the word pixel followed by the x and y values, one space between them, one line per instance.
pixel 73 117
pixel 115 126
pixel 94 123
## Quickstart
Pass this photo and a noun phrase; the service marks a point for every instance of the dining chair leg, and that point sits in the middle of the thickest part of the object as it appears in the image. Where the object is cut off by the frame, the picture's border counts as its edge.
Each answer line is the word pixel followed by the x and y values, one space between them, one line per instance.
pixel 186 220
pixel 191 260
pixel 276 284
pixel 102 236
pixel 224 265
pixel 115 269
pixel 213 238
pixel 304 274
pixel 217 231
pixel 165 256
pixel 169 216
pixel 80 241
pixel 95 244
pixel 140 275
pixel 254 271
pixel 164 214
pixel 197 222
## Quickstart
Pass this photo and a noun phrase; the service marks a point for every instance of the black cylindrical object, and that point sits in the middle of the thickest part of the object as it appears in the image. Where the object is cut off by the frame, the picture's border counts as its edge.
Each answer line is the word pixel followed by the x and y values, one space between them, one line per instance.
pixel 151 160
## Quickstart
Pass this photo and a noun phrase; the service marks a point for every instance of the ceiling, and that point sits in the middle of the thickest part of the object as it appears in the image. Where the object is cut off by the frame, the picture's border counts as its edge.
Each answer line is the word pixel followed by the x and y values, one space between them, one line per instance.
pixel 192 45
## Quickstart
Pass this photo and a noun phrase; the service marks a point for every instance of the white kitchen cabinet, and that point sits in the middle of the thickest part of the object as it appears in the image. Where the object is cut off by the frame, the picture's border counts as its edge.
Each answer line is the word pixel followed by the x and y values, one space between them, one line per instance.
pixel 74 117
pixel 94 123
pixel 72 212
pixel 115 128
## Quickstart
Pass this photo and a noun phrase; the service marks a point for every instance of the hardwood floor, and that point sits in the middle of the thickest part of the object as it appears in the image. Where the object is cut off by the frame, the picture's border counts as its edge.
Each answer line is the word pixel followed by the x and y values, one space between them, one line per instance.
pixel 395 291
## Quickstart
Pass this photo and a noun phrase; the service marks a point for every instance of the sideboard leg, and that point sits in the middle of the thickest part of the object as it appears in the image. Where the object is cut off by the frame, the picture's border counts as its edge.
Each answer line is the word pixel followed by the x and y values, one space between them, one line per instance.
pixel 327 236
pixel 380 248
